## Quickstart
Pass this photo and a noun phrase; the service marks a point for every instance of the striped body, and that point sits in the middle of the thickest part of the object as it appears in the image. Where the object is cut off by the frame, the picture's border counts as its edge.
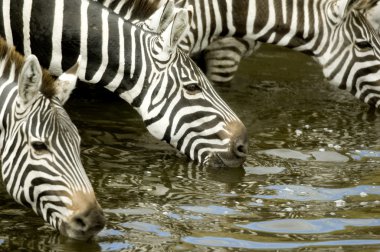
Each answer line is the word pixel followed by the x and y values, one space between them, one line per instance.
pixel 320 28
pixel 39 147
pixel 335 32
pixel 177 103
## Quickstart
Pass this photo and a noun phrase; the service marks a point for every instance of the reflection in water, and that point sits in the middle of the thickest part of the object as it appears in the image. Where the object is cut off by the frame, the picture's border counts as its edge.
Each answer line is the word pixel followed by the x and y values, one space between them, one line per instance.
pixel 236 243
pixel 156 200
pixel 146 227
pixel 363 154
pixel 46 242
pixel 217 210
pixel 261 170
pixel 115 246
pixel 308 193
pixel 299 226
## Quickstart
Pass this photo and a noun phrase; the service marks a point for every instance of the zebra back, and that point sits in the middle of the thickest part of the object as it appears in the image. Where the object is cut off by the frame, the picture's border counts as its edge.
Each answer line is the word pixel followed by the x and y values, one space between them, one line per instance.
pixel 132 10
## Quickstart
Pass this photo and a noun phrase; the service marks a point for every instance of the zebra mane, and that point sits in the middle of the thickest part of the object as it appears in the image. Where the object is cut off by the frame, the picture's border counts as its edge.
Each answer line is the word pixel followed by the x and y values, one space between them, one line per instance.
pixel 139 9
pixel 364 5
pixel 11 56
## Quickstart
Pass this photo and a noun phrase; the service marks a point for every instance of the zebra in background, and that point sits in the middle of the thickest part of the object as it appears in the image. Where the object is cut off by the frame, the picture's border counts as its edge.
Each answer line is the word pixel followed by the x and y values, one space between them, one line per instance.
pixel 39 147
pixel 335 32
pixel 174 98
pixel 219 60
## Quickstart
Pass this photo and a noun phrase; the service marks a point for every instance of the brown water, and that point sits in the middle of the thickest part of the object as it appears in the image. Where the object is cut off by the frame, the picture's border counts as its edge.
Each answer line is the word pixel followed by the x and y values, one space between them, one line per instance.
pixel 311 182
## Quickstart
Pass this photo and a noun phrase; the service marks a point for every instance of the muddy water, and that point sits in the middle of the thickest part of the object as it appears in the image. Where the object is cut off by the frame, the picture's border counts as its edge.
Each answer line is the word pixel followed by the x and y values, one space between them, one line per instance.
pixel 311 181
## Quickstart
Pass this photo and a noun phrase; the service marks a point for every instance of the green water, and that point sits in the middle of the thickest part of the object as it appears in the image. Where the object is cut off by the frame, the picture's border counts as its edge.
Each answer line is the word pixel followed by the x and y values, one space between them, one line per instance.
pixel 311 181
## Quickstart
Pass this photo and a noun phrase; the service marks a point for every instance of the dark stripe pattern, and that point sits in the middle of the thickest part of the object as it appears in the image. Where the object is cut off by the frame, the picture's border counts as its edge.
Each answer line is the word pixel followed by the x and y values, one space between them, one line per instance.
pixel 177 103
pixel 39 145
pixel 335 32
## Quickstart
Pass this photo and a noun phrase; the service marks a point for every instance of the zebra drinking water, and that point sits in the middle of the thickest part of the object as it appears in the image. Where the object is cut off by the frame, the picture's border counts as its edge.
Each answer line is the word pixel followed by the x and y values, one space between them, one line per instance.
pixel 176 101
pixel 335 32
pixel 39 146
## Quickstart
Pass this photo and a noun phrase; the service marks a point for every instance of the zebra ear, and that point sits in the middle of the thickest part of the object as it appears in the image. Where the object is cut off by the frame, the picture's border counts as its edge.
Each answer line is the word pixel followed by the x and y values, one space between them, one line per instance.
pixel 343 7
pixel 177 28
pixel 161 18
pixel 66 82
pixel 30 79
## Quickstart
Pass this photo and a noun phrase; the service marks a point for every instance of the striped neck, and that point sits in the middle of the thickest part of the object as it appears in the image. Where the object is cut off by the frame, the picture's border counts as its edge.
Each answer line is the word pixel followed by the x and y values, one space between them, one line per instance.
pixel 291 23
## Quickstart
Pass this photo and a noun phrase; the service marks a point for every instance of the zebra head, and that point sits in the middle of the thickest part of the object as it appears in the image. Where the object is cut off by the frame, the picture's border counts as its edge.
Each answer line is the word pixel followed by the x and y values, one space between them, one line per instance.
pixel 40 153
pixel 352 57
pixel 181 107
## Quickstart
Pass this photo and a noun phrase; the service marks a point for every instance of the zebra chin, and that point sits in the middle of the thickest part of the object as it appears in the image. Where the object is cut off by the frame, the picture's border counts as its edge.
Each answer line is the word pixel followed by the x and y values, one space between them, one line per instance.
pixel 224 160
pixel 86 220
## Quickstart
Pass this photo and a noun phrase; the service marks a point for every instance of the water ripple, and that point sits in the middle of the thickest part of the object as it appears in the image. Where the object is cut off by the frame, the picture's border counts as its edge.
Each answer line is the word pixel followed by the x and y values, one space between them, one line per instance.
pixel 217 210
pixel 236 243
pixel 301 226
pixel 115 246
pixel 309 193
pixel 146 227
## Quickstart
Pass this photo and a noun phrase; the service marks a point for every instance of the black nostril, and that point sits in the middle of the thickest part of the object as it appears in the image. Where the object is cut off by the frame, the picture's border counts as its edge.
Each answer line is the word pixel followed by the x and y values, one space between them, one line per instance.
pixel 89 221
pixel 241 149
pixel 80 222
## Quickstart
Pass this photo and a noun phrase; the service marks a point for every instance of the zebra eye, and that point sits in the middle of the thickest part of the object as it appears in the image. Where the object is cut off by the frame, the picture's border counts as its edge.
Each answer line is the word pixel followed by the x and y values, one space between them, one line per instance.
pixel 39 147
pixel 192 88
pixel 364 45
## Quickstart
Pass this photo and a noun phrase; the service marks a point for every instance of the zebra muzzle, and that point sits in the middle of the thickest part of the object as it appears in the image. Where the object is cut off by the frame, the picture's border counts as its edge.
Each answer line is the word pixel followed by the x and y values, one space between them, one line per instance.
pixel 237 152
pixel 86 221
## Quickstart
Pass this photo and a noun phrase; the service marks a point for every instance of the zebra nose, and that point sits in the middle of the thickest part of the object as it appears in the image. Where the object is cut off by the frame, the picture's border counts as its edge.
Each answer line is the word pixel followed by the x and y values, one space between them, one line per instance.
pixel 240 147
pixel 86 224
pixel 86 221
pixel 240 141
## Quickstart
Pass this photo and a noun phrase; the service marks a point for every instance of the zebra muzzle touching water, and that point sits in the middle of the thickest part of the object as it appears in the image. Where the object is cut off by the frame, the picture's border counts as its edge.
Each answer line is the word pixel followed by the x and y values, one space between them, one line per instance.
pixel 40 147
pixel 175 100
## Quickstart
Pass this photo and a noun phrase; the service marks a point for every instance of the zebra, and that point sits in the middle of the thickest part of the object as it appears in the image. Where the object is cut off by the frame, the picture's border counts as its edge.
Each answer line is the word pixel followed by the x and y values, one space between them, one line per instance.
pixel 335 32
pixel 39 147
pixel 174 98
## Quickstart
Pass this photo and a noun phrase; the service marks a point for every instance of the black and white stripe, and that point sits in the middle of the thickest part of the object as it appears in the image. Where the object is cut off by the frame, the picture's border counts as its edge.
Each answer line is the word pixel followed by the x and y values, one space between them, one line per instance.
pixel 39 146
pixel 174 98
pixel 335 32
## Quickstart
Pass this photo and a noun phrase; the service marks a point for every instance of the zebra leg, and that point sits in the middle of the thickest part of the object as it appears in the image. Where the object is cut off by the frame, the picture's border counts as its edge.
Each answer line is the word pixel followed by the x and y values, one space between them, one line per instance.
pixel 220 60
